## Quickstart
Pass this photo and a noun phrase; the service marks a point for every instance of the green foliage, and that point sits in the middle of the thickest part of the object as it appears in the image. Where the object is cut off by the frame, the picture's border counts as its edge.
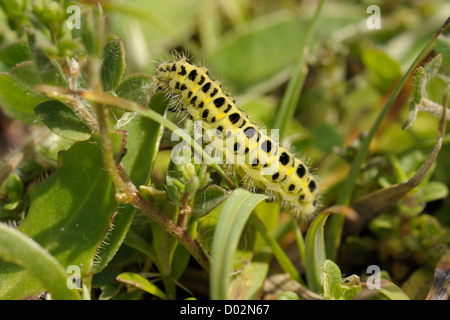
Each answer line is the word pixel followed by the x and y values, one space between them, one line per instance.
pixel 62 120
pixel 336 288
pixel 113 64
pixel 17 100
pixel 227 233
pixel 62 214
pixel 93 194
pixel 287 295
pixel 315 253
pixel 21 250
pixel 141 283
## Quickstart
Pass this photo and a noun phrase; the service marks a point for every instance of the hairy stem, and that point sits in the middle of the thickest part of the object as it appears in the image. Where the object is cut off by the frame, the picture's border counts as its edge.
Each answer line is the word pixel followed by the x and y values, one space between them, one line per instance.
pixel 181 234
pixel 130 194
pixel 108 158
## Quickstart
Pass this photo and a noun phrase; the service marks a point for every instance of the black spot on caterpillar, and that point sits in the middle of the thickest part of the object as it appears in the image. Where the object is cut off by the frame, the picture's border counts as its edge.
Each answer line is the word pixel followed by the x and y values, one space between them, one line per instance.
pixel 263 163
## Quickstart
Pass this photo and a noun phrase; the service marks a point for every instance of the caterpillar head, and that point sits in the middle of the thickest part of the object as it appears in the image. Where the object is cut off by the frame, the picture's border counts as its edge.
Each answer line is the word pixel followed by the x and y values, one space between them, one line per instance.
pixel 163 74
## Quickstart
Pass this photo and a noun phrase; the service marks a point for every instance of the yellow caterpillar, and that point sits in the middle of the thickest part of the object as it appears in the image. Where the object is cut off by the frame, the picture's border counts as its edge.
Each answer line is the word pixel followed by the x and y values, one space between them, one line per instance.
pixel 256 158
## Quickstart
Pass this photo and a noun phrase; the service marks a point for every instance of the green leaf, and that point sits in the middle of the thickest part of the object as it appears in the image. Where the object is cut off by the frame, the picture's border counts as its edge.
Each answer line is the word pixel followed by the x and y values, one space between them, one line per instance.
pixel 143 138
pixel 14 53
pixel 113 64
pixel 384 71
pixel 91 27
pixel 160 22
pixel 208 199
pixel 326 137
pixel 247 284
pixel 269 214
pixel 331 279
pixel 164 244
pixel 288 295
pixel 142 283
pixel 350 287
pixel 418 283
pixel 135 241
pixel 419 91
pixel 16 100
pixel 233 216
pixel 443 45
pixel 391 291
pixel 250 263
pixel 26 74
pixel 336 288
pixel 13 188
pixel 282 259
pixel 47 67
pixel 434 190
pixel 49 13
pixel 172 194
pixel 65 215
pixel 180 261
pixel 136 87
pixel 13 8
pixel 106 282
pixel 431 67
pixel 18 248
pixel 62 120
pixel 315 253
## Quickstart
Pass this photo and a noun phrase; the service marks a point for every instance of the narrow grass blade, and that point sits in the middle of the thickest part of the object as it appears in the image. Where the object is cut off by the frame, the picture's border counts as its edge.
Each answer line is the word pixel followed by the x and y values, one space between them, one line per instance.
pixel 391 291
pixel 299 240
pixel 315 253
pixel 235 212
pixel 135 241
pixel 140 282
pixel 295 85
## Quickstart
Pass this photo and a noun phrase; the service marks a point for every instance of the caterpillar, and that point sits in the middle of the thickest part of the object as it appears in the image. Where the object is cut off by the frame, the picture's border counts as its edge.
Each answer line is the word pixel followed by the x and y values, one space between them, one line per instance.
pixel 258 159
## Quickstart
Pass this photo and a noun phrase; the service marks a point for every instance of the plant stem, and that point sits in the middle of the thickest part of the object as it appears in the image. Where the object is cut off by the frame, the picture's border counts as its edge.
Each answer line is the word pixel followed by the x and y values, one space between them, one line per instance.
pixel 185 212
pixel 181 234
pixel 129 192
pixel 132 196
pixel 130 106
pixel 108 157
